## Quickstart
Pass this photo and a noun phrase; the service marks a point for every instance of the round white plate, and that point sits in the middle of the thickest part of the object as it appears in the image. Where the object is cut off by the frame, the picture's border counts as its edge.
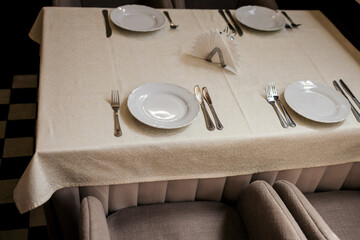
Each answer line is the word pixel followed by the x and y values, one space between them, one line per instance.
pixel 317 102
pixel 137 18
pixel 260 18
pixel 163 105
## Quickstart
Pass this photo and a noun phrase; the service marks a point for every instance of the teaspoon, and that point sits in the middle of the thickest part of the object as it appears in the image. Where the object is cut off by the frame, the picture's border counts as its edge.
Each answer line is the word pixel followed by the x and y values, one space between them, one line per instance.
pixel 172 25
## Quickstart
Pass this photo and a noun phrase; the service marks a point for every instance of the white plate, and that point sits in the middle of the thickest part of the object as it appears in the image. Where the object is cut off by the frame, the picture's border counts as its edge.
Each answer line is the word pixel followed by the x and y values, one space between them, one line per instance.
pixel 317 102
pixel 260 18
pixel 137 18
pixel 163 105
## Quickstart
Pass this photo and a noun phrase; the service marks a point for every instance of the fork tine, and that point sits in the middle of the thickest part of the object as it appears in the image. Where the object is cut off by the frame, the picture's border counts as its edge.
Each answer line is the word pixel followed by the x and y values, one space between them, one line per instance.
pixel 273 89
pixel 116 93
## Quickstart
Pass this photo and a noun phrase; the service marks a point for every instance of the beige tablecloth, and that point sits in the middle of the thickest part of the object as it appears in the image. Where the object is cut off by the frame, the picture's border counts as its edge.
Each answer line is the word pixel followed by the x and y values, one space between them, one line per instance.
pixel 79 66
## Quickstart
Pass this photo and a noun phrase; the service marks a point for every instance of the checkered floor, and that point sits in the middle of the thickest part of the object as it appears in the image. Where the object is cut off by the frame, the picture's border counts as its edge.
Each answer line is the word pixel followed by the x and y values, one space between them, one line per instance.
pixel 18 103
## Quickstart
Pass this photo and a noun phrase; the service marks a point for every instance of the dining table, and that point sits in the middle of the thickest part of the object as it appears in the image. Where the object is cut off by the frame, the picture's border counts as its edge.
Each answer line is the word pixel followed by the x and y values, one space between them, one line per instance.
pixel 80 66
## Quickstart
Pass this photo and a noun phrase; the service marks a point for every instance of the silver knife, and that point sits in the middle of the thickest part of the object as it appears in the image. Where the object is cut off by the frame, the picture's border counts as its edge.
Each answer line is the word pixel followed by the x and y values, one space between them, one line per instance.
pixel 207 98
pixel 226 20
pixel 356 113
pixel 238 29
pixel 209 124
pixel 349 92
pixel 107 24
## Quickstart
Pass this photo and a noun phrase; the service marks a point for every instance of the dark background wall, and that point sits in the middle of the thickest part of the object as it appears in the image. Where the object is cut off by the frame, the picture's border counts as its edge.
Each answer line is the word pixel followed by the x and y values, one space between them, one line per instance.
pixel 344 14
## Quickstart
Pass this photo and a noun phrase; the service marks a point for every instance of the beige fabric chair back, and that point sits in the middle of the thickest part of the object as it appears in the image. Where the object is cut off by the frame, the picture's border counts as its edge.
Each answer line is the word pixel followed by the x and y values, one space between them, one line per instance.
pixel 218 4
pixel 63 209
pixel 191 4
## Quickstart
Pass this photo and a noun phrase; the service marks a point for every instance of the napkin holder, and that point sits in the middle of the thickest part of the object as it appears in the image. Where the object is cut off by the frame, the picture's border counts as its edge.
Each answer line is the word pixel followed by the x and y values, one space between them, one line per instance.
pixel 221 57
pixel 207 44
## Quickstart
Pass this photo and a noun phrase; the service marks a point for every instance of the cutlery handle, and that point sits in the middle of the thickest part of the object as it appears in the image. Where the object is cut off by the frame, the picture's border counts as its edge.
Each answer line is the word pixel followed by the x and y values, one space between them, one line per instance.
pixel 347 89
pixel 209 124
pixel 168 16
pixel 117 129
pixel 226 20
pixel 357 102
pixel 287 16
pixel 107 24
pixel 217 120
pixel 356 113
pixel 282 120
pixel 238 29
pixel 287 116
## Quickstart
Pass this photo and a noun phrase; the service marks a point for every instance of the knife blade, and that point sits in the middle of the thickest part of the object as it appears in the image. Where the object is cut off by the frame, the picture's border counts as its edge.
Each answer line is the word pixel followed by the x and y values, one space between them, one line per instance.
pixel 226 20
pixel 238 29
pixel 209 124
pixel 356 113
pixel 347 89
pixel 107 24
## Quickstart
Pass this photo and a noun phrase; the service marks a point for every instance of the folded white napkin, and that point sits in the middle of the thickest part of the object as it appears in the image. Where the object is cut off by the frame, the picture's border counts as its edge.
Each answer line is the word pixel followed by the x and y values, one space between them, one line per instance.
pixel 207 41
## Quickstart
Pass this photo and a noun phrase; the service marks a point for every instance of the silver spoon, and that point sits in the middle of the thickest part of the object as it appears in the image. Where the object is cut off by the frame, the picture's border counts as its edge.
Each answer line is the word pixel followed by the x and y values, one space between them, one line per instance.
pixel 172 25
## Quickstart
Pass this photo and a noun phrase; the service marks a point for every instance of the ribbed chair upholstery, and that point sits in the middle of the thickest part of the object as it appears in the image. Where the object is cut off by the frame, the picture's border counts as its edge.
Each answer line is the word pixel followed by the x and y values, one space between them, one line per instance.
pixel 229 4
pixel 62 211
pixel 191 4
pixel 323 215
pixel 259 213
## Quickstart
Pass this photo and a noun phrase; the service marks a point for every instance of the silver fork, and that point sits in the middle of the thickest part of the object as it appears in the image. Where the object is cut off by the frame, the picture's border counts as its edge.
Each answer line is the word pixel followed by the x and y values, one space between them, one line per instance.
pixel 115 104
pixel 277 99
pixel 270 99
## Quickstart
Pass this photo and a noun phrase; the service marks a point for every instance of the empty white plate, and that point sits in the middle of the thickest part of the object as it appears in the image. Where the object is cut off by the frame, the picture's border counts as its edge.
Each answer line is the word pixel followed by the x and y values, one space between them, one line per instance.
pixel 137 18
pixel 317 102
pixel 260 18
pixel 163 105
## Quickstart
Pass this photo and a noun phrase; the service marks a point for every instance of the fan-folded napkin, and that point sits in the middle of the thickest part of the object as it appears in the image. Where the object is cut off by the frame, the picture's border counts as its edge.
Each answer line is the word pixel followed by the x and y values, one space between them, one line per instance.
pixel 205 42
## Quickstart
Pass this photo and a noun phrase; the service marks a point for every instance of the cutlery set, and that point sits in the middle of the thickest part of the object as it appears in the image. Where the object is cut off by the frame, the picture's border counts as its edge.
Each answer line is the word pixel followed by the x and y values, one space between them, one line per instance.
pixel 348 91
pixel 238 29
pixel 204 94
pixel 235 30
pixel 273 98
pixel 201 95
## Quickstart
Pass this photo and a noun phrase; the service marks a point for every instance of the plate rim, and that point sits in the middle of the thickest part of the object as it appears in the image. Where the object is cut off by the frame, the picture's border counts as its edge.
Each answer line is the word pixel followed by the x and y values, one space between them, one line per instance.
pixel 333 92
pixel 160 126
pixel 163 20
pixel 238 10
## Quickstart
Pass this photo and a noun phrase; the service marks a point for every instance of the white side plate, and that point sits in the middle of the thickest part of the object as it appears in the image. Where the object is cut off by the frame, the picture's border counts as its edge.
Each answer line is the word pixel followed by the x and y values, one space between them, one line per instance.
pixel 137 18
pixel 260 18
pixel 163 105
pixel 317 102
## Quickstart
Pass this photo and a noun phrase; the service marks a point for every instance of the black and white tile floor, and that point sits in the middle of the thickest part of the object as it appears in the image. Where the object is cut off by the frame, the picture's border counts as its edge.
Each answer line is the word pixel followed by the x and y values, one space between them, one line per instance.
pixel 18 104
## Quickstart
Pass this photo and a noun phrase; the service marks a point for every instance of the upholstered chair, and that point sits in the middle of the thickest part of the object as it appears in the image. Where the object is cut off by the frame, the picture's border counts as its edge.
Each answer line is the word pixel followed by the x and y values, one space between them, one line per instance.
pixel 217 4
pixel 323 215
pixel 259 213
pixel 191 4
